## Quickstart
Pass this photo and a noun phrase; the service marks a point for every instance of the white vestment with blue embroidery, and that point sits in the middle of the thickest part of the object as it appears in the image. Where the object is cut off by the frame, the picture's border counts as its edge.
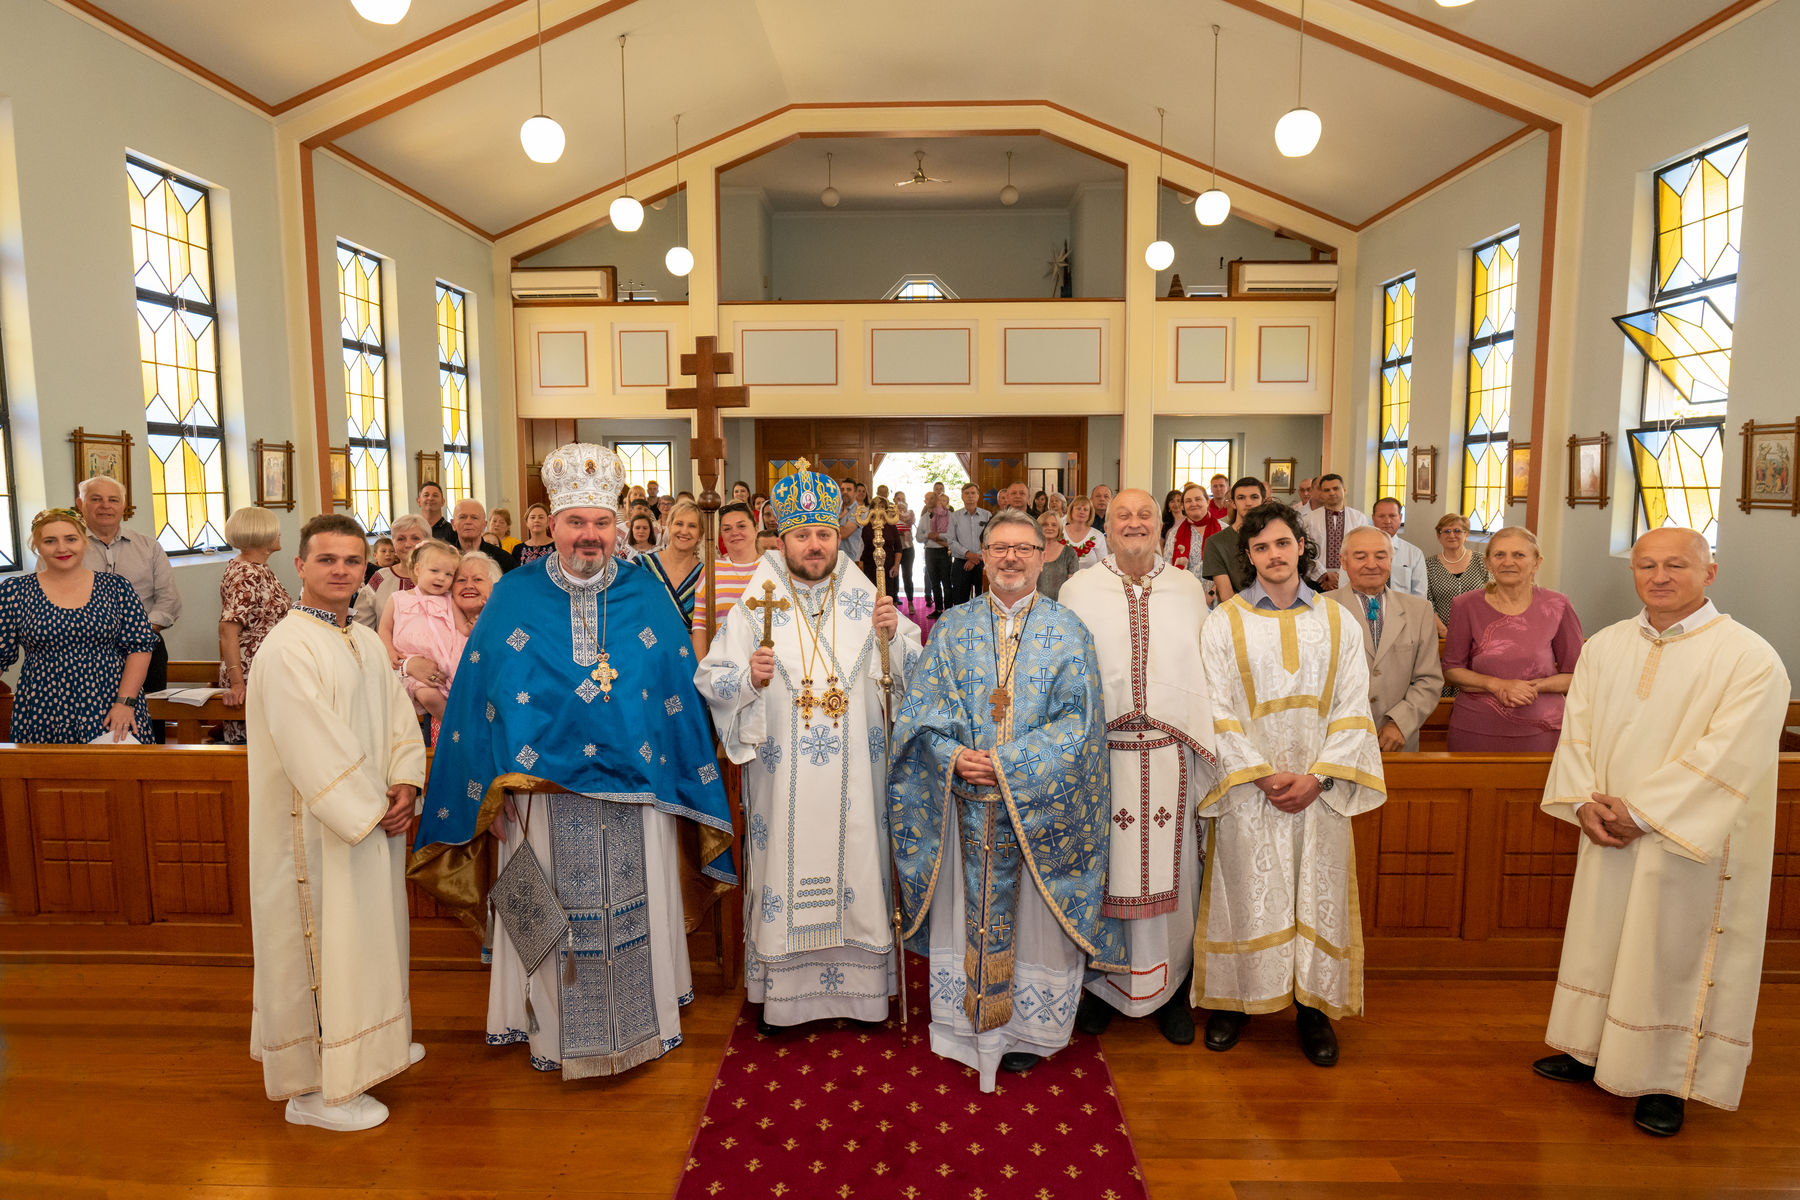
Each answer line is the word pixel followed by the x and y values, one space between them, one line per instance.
pixel 817 905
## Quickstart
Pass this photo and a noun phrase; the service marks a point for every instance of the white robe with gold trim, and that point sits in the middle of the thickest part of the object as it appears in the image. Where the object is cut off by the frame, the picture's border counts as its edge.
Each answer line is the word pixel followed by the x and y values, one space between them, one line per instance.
pixel 1278 913
pixel 330 729
pixel 1662 957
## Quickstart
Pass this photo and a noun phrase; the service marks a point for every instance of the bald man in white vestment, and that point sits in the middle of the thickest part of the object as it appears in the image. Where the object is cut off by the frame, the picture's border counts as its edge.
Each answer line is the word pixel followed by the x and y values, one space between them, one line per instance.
pixel 335 760
pixel 1667 762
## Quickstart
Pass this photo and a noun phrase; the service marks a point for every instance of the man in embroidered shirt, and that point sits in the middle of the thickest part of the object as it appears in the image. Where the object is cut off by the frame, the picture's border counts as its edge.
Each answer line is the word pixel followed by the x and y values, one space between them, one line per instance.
pixel 1145 618
pixel 335 761
pixel 1325 526
pixel 1667 763
pixel 806 720
pixel 573 734
pixel 1297 759
pixel 999 804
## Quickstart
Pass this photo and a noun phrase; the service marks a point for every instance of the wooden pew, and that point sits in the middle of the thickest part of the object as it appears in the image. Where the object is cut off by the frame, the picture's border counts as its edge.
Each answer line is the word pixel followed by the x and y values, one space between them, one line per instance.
pixel 192 724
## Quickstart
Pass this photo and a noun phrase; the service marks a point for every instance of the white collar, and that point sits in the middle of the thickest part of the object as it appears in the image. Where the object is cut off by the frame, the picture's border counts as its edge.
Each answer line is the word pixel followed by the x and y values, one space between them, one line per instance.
pixel 1017 608
pixel 1694 620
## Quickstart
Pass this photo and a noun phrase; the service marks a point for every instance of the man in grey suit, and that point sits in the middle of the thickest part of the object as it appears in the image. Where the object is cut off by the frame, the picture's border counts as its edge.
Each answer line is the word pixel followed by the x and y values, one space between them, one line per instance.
pixel 1399 640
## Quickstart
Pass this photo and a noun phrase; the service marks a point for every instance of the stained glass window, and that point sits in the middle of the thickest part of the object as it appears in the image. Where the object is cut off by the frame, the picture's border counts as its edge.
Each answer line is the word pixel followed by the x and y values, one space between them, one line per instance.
pixel 1685 337
pixel 365 386
pixel 1197 460
pixel 920 287
pixel 1489 425
pixel 178 347
pixel 1396 386
pixel 9 510
pixel 645 461
pixel 453 384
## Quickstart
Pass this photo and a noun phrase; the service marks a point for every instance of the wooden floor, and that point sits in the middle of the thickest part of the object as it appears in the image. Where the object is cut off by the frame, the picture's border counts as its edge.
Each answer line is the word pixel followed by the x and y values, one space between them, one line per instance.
pixel 128 1081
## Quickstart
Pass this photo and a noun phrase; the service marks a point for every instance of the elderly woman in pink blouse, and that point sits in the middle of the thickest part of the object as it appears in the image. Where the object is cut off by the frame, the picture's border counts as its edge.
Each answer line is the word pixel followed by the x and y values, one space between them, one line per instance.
pixel 1511 653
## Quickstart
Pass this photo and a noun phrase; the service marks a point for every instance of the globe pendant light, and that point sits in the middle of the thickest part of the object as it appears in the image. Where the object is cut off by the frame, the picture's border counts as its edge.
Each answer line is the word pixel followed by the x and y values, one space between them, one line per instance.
pixel 679 259
pixel 382 12
pixel 1298 131
pixel 627 215
pixel 1009 195
pixel 541 136
pixel 1159 254
pixel 1212 206
pixel 829 197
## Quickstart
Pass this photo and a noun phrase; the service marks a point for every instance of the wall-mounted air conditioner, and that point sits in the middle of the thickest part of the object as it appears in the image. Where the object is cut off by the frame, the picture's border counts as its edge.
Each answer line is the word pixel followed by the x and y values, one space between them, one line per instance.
pixel 562 283
pixel 1284 278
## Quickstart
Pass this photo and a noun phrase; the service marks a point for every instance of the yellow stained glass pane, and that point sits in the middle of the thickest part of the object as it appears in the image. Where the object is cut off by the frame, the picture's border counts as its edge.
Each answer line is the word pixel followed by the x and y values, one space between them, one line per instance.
pixel 1197 460
pixel 1484 486
pixel 1689 343
pixel 1678 473
pixel 1699 216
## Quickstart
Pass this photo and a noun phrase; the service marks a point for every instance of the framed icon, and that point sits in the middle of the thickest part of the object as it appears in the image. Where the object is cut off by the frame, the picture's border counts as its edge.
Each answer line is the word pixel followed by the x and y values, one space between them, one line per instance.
pixel 107 454
pixel 1518 472
pixel 1770 455
pixel 1425 474
pixel 430 467
pixel 1588 469
pixel 1278 474
pixel 274 474
pixel 340 477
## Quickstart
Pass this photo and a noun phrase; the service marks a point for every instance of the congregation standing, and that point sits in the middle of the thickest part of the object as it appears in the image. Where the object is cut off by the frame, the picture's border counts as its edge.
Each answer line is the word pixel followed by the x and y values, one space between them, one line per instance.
pixel 1129 719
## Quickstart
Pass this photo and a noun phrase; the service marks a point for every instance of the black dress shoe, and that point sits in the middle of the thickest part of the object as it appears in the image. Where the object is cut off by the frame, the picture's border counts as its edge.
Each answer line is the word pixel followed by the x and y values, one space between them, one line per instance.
pixel 1224 1028
pixel 1318 1041
pixel 1660 1114
pixel 767 1030
pixel 1564 1068
pixel 1019 1061
pixel 1093 1014
pixel 1176 1019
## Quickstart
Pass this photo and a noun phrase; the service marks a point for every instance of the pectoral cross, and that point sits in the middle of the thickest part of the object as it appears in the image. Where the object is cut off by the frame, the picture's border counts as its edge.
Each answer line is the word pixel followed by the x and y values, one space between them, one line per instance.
pixel 604 674
pixel 768 604
pixel 1001 699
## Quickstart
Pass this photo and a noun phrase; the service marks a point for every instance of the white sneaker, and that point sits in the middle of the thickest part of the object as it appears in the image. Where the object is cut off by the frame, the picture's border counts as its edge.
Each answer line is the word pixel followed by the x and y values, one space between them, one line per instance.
pixel 361 1112
pixel 414 1054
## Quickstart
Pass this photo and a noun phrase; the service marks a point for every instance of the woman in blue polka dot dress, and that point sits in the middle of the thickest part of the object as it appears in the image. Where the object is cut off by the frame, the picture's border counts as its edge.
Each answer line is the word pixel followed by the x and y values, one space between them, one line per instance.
pixel 85 640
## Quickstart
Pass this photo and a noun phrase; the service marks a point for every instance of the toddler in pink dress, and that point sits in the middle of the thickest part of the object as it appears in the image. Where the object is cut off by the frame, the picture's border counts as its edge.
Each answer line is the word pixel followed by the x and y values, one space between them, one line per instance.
pixel 421 623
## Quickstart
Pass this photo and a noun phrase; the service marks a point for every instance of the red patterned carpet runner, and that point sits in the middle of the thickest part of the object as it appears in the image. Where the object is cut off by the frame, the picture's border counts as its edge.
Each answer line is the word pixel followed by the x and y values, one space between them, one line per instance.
pixel 835 1109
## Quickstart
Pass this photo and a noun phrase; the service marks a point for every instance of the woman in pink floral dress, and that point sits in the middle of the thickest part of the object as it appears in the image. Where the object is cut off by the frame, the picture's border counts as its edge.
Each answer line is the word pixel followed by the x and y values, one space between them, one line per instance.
pixel 251 602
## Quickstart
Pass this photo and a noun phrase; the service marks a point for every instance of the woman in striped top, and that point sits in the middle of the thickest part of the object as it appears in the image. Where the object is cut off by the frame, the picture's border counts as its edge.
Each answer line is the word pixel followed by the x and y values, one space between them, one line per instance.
pixel 737 533
pixel 678 564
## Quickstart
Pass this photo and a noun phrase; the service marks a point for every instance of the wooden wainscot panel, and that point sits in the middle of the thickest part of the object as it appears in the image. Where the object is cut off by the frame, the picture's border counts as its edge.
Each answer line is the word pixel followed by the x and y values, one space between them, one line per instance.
pixel 1420 837
pixel 192 831
pixel 80 856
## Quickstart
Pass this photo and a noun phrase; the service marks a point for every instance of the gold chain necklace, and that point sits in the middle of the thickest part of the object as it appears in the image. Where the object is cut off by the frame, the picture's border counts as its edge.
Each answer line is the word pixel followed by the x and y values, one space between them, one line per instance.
pixel 835 702
pixel 603 672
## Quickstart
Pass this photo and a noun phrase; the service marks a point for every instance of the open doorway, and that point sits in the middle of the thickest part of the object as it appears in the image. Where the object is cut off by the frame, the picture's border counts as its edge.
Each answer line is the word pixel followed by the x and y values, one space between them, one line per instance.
pixel 911 475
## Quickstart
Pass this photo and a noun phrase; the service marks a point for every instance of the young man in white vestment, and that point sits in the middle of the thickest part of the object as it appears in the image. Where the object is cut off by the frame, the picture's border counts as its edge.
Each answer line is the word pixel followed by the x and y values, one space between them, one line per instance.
pixel 805 718
pixel 1145 617
pixel 336 760
pixel 1298 757
pixel 999 799
pixel 1667 762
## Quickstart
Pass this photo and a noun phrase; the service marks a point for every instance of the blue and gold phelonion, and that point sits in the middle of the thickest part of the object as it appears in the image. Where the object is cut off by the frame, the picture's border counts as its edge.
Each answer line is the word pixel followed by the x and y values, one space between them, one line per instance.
pixel 805 498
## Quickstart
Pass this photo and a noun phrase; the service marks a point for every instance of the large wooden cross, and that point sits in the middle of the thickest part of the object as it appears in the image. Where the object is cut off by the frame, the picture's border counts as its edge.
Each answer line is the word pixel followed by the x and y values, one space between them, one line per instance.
pixel 706 398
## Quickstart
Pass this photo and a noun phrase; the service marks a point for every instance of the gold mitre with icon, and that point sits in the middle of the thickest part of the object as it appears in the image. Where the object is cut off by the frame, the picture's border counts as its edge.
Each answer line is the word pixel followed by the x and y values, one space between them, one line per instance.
pixel 582 475
pixel 806 497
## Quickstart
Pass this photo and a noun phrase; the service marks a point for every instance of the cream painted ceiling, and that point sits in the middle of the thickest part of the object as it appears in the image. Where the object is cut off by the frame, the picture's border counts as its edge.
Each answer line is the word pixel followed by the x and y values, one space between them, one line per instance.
pixel 721 63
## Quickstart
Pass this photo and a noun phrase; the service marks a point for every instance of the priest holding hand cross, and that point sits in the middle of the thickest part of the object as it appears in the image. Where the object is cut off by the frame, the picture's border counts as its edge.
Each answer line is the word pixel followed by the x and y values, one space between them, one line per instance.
pixel 802 713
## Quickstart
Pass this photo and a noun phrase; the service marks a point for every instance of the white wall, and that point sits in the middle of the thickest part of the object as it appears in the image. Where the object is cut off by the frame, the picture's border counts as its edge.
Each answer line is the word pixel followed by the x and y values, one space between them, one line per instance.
pixel 744 245
pixel 1744 77
pixel 79 100
pixel 1202 252
pixel 1097 240
pixel 860 256
pixel 638 256
pixel 1434 237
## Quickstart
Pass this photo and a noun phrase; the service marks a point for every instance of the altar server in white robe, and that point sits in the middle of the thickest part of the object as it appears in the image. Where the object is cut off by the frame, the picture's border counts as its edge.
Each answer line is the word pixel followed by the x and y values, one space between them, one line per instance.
pixel 1668 764
pixel 335 761
pixel 1145 617
pixel 805 719
pixel 1298 757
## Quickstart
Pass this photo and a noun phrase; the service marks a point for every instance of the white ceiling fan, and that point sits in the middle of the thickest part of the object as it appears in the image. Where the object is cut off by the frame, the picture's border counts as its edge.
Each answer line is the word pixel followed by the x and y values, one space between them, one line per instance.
pixel 919 175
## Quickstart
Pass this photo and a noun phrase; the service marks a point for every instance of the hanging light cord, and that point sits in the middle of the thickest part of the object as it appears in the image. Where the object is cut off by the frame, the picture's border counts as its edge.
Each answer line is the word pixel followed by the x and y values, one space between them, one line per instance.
pixel 624 150
pixel 1215 113
pixel 680 192
pixel 1159 171
pixel 540 54
pixel 1300 74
